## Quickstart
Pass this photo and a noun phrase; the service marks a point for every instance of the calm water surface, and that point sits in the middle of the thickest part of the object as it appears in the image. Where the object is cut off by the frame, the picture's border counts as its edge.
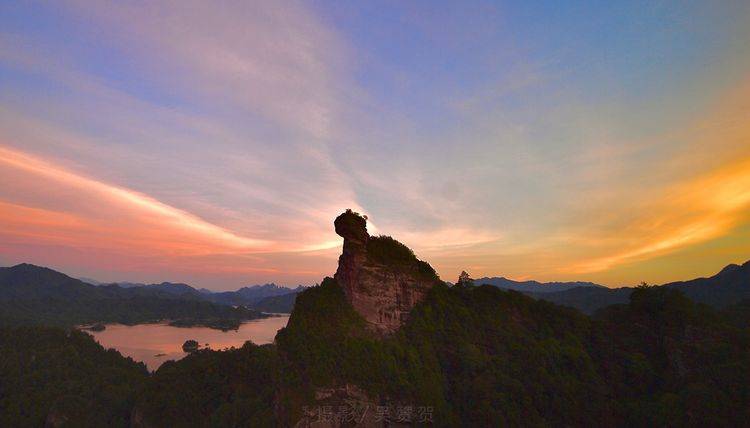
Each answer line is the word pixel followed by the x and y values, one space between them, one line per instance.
pixel 154 344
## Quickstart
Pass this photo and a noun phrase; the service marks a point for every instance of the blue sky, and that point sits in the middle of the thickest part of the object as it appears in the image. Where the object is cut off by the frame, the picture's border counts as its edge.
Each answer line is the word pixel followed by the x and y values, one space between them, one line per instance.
pixel 214 143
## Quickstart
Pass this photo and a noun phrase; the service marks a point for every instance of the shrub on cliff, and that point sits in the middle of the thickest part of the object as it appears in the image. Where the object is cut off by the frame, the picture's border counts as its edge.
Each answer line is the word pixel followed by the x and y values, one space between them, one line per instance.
pixel 388 251
pixel 352 225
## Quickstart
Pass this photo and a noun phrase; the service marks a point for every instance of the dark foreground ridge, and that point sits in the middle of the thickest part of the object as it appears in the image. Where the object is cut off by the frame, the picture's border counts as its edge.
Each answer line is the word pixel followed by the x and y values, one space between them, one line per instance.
pixel 463 355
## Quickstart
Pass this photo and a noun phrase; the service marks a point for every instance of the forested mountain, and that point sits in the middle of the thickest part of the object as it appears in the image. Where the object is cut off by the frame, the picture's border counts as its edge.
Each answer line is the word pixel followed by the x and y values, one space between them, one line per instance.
pixel 164 288
pixel 728 287
pixel 283 304
pixel 477 356
pixel 250 296
pixel 471 356
pixel 38 295
pixel 366 346
pixel 26 281
pixel 54 377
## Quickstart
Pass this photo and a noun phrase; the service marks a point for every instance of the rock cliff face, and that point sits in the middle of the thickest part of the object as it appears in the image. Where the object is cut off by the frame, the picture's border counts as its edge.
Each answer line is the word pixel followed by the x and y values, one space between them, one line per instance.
pixel 382 279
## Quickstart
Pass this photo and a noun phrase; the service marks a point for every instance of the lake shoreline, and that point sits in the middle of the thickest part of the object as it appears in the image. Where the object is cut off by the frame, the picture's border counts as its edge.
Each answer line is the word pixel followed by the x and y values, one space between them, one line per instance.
pixel 181 323
pixel 158 342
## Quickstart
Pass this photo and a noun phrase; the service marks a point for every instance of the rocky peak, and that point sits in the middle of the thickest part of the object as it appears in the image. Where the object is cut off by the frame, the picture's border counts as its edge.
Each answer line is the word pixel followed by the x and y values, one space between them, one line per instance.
pixel 352 227
pixel 381 278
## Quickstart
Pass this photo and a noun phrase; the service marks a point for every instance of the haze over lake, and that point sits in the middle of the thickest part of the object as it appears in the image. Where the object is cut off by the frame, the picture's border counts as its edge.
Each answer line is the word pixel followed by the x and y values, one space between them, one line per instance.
pixel 154 344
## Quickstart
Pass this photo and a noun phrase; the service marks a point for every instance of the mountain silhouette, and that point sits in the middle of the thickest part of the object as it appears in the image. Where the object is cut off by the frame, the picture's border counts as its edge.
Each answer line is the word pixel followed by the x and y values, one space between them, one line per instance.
pixel 533 286
pixel 728 287
pixel 461 355
pixel 34 294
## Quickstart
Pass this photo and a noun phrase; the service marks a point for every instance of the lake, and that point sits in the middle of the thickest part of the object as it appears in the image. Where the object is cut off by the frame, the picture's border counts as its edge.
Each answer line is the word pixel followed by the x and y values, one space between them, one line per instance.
pixel 154 344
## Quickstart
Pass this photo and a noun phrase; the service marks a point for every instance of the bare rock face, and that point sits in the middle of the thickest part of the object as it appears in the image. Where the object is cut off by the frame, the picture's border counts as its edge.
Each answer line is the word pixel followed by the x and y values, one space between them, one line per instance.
pixel 343 406
pixel 382 279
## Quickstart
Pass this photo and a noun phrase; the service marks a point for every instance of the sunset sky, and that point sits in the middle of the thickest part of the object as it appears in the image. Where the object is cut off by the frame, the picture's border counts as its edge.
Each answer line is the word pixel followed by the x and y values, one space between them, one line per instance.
pixel 214 143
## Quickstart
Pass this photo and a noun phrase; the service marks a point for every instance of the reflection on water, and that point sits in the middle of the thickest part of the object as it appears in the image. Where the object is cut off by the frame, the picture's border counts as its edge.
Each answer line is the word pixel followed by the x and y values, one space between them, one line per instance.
pixel 156 343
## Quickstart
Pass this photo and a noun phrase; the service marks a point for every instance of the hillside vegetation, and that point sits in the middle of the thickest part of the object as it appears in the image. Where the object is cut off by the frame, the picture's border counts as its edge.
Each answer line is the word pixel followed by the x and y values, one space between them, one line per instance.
pixel 473 355
pixel 486 357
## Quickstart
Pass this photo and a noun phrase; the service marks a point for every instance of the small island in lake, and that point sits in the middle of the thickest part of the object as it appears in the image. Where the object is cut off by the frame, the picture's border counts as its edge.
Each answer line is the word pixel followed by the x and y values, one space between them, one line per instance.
pixel 190 346
pixel 97 327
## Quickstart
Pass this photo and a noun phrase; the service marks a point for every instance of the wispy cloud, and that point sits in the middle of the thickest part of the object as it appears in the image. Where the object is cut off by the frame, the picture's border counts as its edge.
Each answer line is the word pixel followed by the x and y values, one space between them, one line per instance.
pixel 689 213
pixel 121 204
pixel 215 142
pixel 274 59
pixel 61 215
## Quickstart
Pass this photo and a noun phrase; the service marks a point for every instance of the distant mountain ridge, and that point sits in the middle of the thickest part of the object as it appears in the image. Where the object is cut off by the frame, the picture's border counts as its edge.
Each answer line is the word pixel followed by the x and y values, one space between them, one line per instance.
pixel 731 285
pixel 35 294
pixel 533 286
pixel 250 296
pixel 270 298
pixel 167 288
pixel 728 287
pixel 41 282
pixel 27 281
pixel 465 355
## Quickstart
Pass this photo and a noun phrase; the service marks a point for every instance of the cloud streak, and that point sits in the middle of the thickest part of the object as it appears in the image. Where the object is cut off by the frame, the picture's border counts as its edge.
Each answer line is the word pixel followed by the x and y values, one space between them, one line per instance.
pixel 215 143
pixel 131 204
pixel 58 217
pixel 689 213
pixel 275 59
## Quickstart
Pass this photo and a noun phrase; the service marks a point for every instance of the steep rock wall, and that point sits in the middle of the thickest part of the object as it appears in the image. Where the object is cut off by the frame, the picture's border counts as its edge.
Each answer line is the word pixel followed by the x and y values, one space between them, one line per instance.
pixel 381 277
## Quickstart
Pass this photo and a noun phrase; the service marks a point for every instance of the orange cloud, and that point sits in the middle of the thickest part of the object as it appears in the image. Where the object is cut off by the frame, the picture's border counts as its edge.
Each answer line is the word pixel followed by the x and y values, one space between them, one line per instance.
pixel 701 209
pixel 119 217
